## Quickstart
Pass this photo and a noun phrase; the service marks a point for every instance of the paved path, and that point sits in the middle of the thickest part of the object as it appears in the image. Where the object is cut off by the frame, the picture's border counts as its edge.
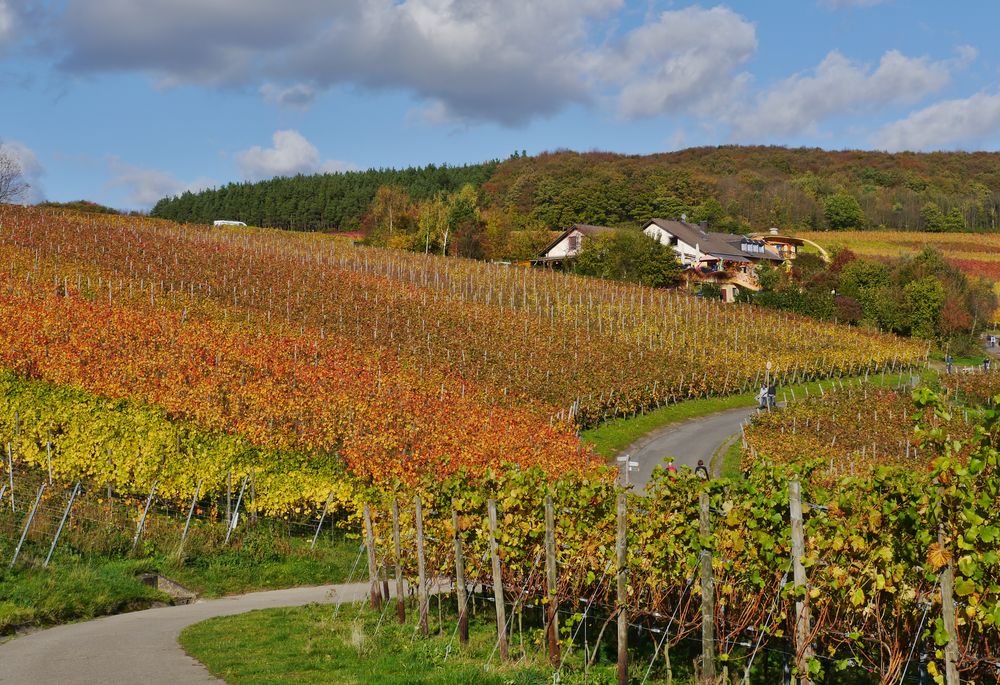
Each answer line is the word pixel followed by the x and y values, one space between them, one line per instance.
pixel 140 648
pixel 687 441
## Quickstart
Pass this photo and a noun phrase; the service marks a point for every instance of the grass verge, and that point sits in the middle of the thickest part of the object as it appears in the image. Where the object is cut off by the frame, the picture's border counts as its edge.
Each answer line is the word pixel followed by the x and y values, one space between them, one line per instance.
pixel 79 587
pixel 306 645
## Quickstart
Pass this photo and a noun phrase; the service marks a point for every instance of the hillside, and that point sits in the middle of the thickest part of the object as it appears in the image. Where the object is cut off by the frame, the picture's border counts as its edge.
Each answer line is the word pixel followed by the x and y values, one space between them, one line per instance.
pixel 733 188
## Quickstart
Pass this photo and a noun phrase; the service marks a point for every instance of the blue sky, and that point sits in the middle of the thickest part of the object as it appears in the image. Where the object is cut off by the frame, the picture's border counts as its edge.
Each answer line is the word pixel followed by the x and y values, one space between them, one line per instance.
pixel 125 101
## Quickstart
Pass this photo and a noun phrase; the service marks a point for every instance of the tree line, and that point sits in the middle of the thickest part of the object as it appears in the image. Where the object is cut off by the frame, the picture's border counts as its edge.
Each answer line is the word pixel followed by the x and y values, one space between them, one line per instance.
pixel 735 189
pixel 322 202
pixel 921 296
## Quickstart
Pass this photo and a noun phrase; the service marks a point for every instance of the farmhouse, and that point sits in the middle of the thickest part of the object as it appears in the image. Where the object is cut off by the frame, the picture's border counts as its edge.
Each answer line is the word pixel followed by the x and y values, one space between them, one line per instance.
pixel 722 258
pixel 568 244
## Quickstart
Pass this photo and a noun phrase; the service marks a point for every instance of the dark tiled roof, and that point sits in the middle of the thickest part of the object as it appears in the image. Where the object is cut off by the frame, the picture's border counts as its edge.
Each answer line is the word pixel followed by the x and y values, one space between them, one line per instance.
pixel 721 245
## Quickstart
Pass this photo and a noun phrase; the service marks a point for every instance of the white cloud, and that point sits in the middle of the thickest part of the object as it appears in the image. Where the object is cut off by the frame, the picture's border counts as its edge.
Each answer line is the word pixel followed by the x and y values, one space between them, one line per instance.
pixel 839 86
pixel 686 61
pixel 144 187
pixel 497 60
pixel 295 96
pixel 32 169
pixel 969 122
pixel 290 154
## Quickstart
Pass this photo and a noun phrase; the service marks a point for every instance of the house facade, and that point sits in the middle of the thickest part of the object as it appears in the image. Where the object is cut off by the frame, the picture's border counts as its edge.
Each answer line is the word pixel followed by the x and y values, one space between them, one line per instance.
pixel 568 244
pixel 722 258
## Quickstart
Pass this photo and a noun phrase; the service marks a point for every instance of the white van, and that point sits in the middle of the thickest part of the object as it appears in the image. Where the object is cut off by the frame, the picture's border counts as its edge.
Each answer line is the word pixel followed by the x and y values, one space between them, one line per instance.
pixel 226 222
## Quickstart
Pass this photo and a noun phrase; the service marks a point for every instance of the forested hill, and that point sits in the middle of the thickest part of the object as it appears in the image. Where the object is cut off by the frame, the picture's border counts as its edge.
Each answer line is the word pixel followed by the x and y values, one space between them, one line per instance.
pixel 737 188
pixel 321 202
pixel 733 188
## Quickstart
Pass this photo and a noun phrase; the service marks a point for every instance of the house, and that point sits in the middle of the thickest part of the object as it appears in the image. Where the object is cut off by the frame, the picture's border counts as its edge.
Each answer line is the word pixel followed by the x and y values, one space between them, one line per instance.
pixel 786 246
pixel 568 244
pixel 721 258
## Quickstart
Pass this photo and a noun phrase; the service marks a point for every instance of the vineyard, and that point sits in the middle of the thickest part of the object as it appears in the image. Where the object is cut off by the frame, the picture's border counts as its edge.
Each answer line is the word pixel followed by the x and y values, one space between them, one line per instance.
pixel 977 389
pixel 391 364
pixel 872 558
pixel 853 429
pixel 320 379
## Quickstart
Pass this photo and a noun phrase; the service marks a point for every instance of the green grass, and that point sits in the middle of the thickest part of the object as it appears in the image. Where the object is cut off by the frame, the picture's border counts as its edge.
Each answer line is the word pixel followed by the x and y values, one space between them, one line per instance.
pixel 728 459
pixel 611 437
pixel 229 572
pixel 72 592
pixel 307 645
pixel 82 586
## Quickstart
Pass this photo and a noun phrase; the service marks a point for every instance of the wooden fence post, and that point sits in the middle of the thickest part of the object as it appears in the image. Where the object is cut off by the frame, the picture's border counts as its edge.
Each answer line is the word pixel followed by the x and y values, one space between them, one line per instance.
pixel 802 650
pixel 460 589
pixel 621 561
pixel 372 567
pixel 948 616
pixel 421 567
pixel 400 596
pixel 491 506
pixel 707 594
pixel 551 577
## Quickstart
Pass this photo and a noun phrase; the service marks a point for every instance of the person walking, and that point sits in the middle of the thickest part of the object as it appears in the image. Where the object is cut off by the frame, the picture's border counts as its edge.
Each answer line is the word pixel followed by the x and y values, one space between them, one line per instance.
pixel 671 469
pixel 947 360
pixel 701 471
pixel 762 398
pixel 772 392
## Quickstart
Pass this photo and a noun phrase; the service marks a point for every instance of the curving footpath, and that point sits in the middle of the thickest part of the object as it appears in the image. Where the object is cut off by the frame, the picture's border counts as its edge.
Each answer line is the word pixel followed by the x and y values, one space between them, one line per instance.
pixel 141 647
pixel 687 441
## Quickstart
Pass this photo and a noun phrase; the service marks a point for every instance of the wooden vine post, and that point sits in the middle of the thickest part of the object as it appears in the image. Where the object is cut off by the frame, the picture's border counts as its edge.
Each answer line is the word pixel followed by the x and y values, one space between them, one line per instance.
pixel 621 561
pixel 802 650
pixel 948 616
pixel 707 593
pixel 400 604
pixel 551 578
pixel 376 597
pixel 418 513
pixel 460 590
pixel 491 506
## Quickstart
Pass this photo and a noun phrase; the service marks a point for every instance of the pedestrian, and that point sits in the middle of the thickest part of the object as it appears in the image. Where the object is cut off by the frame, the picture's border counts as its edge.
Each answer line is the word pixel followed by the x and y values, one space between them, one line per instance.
pixel 671 469
pixel 762 398
pixel 772 392
pixel 986 364
pixel 701 471
pixel 947 360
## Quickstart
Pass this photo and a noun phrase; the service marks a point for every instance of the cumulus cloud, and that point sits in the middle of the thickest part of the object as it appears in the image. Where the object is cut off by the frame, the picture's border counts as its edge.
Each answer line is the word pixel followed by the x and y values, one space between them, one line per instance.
pixel 145 187
pixel 687 60
pixel 839 86
pixel 289 155
pixel 295 96
pixel 208 42
pixel 950 124
pixel 32 169
pixel 500 60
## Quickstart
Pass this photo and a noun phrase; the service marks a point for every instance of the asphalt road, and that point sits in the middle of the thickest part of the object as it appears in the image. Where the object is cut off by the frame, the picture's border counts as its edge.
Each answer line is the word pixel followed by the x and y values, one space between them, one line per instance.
pixel 687 442
pixel 140 648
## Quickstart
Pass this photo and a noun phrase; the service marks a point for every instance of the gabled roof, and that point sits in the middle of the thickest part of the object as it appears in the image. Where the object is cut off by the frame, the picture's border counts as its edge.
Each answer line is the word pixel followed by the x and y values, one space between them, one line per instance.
pixel 585 229
pixel 726 246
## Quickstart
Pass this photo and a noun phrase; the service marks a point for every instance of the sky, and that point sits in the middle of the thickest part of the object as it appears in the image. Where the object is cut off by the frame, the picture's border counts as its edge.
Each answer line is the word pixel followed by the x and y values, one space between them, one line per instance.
pixel 123 102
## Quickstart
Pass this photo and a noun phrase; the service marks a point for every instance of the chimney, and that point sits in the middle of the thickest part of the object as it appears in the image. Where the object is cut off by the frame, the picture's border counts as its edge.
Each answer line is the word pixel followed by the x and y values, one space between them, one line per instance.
pixel 774 230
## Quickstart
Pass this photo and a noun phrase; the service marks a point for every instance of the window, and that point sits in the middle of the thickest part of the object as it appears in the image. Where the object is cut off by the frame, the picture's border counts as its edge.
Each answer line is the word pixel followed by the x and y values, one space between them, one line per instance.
pixel 574 243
